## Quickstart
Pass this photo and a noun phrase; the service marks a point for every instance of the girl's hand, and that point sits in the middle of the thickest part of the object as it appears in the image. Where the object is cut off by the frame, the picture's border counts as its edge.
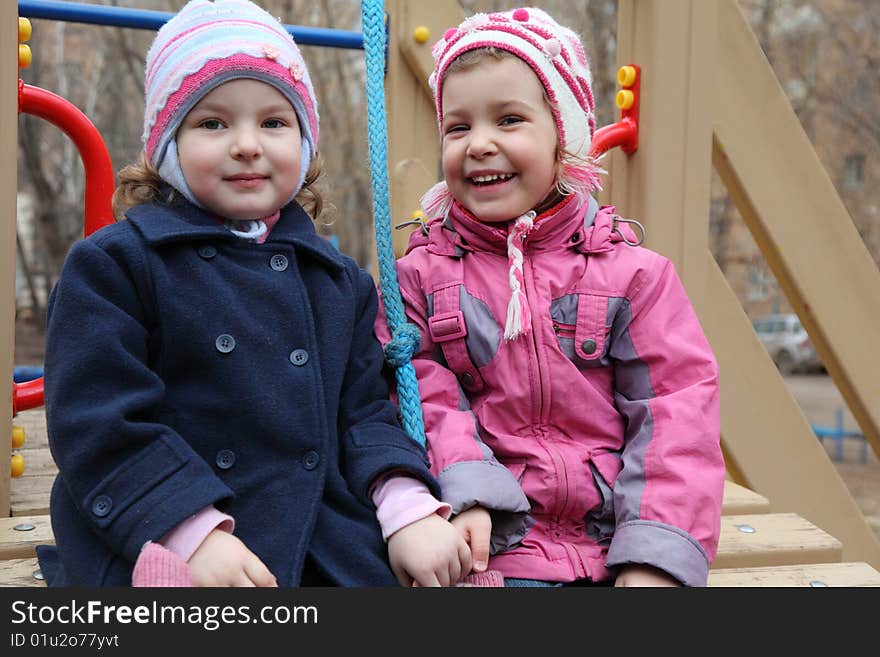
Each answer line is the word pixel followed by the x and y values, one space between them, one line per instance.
pixel 223 560
pixel 428 552
pixel 475 527
pixel 639 575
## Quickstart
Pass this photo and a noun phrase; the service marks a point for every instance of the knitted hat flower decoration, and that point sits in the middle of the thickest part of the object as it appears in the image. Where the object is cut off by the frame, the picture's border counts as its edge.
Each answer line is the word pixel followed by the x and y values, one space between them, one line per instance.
pixel 557 57
pixel 205 45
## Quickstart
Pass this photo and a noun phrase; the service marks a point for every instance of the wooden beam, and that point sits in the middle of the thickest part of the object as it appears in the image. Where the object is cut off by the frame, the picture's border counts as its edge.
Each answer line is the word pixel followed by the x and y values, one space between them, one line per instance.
pixel 767 440
pixel 783 193
pixel 665 184
pixel 8 191
pixel 413 142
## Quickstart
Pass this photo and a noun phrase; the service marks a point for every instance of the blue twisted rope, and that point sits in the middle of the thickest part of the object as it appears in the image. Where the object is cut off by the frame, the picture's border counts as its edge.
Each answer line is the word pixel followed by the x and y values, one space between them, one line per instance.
pixel 405 337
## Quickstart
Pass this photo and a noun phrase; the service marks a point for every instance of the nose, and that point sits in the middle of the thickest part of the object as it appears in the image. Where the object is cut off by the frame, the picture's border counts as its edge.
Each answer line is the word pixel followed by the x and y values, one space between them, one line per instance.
pixel 246 143
pixel 481 142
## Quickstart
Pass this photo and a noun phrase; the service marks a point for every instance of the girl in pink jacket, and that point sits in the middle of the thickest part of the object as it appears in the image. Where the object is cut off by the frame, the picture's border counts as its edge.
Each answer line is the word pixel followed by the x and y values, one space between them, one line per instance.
pixel 570 397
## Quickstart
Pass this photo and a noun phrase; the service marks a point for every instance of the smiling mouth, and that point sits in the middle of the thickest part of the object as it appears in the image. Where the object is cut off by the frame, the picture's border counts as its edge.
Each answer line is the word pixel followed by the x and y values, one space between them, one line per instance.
pixel 490 179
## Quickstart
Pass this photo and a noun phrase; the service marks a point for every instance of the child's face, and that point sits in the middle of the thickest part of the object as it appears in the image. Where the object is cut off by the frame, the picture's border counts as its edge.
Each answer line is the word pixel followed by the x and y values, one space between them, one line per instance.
pixel 240 150
pixel 499 139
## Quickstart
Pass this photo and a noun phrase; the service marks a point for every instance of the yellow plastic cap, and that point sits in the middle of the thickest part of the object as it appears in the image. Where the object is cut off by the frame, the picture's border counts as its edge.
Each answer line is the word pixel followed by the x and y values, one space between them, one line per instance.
pixel 17 436
pixel 417 214
pixel 421 34
pixel 24 29
pixel 24 55
pixel 626 75
pixel 625 99
pixel 17 465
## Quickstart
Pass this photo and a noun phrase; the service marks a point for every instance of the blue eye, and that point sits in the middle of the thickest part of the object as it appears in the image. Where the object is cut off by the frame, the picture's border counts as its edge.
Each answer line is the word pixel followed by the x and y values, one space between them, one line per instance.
pixel 511 120
pixel 211 124
pixel 273 123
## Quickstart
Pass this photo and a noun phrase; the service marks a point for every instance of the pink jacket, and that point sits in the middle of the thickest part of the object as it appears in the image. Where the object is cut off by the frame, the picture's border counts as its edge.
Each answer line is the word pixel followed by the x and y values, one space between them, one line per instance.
pixel 606 414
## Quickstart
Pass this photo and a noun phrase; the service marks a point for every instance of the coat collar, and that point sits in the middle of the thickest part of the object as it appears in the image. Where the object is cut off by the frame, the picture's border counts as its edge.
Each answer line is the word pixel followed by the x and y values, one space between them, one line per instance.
pixel 583 226
pixel 181 221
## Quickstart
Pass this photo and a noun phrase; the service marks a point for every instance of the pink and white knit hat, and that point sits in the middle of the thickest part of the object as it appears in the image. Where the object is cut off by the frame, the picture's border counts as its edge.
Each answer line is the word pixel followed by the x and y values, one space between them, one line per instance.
pixel 204 45
pixel 556 55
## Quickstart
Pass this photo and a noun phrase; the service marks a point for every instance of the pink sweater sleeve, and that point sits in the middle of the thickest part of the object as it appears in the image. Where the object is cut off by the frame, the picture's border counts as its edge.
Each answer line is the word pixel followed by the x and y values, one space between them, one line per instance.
pixel 185 539
pixel 401 501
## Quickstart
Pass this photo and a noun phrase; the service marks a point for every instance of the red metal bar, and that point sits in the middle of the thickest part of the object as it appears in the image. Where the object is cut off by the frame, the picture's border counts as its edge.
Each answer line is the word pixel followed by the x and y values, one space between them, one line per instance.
pixel 98 193
pixel 96 160
pixel 27 395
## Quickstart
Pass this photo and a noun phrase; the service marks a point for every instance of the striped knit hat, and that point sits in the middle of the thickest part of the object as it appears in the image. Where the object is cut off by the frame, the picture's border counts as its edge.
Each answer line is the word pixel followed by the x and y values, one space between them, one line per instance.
pixel 557 57
pixel 204 45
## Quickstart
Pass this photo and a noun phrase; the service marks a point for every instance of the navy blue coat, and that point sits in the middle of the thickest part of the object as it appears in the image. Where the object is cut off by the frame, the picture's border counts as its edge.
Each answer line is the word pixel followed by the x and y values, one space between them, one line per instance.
pixel 187 367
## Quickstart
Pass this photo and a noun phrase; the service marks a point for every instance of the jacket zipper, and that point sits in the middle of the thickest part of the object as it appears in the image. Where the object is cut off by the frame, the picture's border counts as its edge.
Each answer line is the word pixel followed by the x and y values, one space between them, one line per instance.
pixel 558 461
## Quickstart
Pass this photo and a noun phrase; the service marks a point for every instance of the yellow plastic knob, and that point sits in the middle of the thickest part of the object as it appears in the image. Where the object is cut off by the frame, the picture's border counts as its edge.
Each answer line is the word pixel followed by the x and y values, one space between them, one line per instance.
pixel 17 436
pixel 625 99
pixel 24 29
pixel 24 55
pixel 421 34
pixel 17 465
pixel 418 214
pixel 626 75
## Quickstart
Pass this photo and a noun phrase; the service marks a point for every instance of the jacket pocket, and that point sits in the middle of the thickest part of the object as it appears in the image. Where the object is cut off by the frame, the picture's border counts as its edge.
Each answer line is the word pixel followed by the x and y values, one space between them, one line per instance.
pixel 599 522
pixel 579 322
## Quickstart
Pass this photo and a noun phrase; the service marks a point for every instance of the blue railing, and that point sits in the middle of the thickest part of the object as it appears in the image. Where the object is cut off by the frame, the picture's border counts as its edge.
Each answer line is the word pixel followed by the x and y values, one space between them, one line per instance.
pixel 143 19
pixel 837 433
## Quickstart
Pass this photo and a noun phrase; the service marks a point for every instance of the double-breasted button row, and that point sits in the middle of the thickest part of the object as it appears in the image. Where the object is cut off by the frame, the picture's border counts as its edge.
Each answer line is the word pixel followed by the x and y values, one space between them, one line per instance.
pixel 278 261
pixel 225 343
pixel 225 459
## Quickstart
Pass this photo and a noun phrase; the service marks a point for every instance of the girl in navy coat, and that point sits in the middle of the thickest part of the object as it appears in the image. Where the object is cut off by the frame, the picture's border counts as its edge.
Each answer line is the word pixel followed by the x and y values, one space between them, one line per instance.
pixel 213 383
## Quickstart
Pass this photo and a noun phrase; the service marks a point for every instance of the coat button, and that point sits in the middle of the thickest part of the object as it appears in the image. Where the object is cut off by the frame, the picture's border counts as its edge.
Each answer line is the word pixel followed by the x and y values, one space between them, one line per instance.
pixel 225 459
pixel 299 357
pixel 224 343
pixel 278 262
pixel 207 252
pixel 310 460
pixel 589 346
pixel 101 505
pixel 467 379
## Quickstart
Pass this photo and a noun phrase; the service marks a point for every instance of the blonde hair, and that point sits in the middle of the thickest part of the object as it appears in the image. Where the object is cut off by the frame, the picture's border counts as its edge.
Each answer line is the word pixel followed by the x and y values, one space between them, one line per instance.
pixel 566 161
pixel 140 183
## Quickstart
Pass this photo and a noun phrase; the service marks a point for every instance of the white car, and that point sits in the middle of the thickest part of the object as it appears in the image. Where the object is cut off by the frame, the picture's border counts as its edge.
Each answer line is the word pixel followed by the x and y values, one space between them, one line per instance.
pixel 788 344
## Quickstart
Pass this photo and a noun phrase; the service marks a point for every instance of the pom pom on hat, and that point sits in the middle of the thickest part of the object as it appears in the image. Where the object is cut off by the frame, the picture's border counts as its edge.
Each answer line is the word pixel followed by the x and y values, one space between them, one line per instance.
pixel 204 45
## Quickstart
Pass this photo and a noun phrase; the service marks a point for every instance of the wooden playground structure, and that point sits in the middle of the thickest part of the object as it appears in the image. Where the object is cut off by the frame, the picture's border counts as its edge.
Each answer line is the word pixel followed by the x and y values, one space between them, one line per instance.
pixel 708 98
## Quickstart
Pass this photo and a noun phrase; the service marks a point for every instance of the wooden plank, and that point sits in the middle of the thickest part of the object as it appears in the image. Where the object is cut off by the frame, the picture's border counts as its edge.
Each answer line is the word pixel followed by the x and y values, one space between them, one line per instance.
pixel 739 500
pixel 812 575
pixel 19 536
pixel 30 495
pixel 20 572
pixel 33 422
pixel 776 539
